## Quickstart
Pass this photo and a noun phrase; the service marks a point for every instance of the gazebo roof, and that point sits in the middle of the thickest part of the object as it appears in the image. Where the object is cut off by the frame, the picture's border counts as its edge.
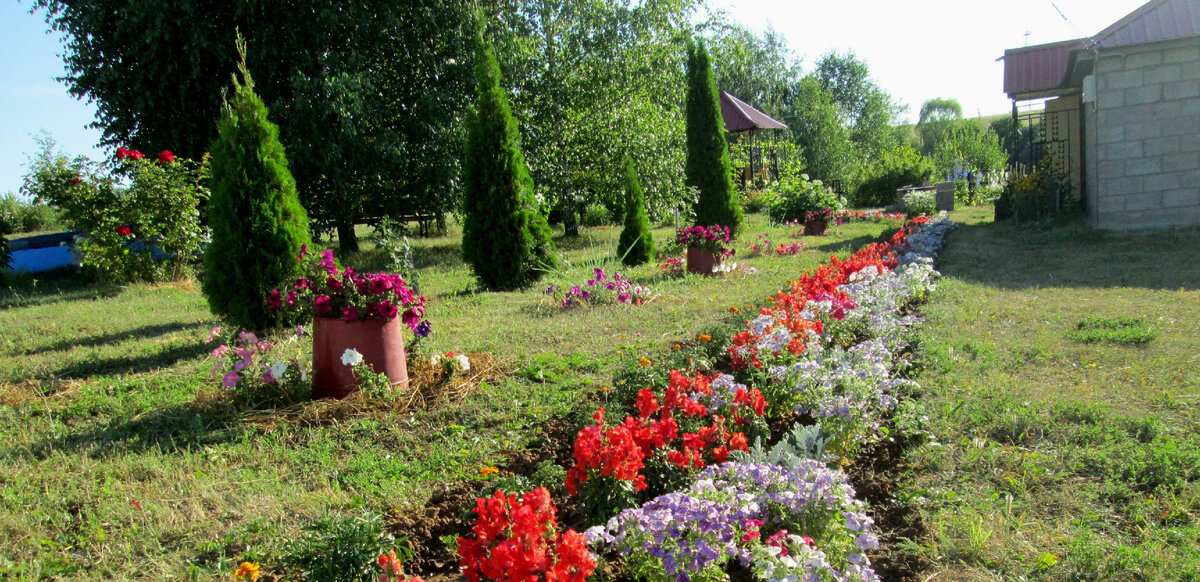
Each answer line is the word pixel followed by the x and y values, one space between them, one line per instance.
pixel 740 116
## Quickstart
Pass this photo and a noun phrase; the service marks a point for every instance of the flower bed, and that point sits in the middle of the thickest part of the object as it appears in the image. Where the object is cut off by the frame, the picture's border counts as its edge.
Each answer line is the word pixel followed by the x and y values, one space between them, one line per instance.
pixel 701 476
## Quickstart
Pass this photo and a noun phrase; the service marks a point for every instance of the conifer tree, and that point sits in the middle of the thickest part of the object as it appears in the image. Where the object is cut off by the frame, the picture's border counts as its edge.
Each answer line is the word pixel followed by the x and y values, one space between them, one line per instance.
pixel 636 245
pixel 708 167
pixel 505 236
pixel 258 224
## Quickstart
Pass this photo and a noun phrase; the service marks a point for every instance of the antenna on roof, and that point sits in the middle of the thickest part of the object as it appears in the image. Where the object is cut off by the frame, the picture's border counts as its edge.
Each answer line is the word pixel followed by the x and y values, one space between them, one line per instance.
pixel 1087 40
pixel 1027 33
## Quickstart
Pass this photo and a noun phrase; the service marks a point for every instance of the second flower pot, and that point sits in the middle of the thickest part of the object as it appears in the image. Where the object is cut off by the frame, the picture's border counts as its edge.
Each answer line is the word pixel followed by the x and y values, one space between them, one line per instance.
pixel 701 260
pixel 381 344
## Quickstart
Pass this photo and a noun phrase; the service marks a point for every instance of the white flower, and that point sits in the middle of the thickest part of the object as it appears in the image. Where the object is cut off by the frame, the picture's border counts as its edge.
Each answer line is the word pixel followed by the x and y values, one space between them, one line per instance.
pixel 435 359
pixel 277 370
pixel 463 363
pixel 351 357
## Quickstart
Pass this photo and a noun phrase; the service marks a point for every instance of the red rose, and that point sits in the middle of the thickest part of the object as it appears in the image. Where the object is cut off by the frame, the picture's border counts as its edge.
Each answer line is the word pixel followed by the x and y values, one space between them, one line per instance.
pixel 124 230
pixel 166 157
pixel 122 153
pixel 135 155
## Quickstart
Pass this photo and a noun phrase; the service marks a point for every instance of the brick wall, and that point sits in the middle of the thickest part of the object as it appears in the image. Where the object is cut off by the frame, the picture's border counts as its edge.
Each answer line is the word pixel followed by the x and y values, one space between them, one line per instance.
pixel 1143 137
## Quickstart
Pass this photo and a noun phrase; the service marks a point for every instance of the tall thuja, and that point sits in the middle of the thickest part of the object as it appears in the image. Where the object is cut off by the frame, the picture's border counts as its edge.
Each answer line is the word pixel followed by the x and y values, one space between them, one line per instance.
pixel 258 224
pixel 637 242
pixel 505 237
pixel 707 151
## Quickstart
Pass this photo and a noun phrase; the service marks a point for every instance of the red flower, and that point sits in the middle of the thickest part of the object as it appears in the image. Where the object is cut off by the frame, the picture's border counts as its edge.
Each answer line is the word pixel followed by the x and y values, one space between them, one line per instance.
pixel 76 182
pixel 135 155
pixel 124 230
pixel 166 157
pixel 122 153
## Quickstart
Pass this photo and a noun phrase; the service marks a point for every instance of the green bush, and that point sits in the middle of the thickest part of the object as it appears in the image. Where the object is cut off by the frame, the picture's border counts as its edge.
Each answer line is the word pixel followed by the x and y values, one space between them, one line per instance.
pixel 258 225
pixel 636 245
pixel 147 231
pixel 755 201
pixel 799 195
pixel 506 239
pixel 918 202
pixel 31 215
pixel 896 168
pixel 595 214
pixel 708 167
pixel 5 254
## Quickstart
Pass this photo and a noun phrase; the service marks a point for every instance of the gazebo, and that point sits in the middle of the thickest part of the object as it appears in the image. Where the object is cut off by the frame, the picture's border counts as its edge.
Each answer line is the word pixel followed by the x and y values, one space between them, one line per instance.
pixel 740 117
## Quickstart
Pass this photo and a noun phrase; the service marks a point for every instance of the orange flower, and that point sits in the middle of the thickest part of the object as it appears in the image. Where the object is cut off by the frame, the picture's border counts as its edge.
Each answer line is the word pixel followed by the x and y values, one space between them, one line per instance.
pixel 677 347
pixel 705 337
pixel 734 309
pixel 644 362
pixel 247 571
pixel 488 471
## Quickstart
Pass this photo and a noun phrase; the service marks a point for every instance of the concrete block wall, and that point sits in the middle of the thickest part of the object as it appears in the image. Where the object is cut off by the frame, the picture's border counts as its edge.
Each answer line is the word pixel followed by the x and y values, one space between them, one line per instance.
pixel 1143 137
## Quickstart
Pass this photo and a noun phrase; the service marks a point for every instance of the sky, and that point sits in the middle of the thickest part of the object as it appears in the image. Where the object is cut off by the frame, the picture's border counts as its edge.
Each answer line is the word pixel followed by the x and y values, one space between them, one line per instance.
pixel 916 50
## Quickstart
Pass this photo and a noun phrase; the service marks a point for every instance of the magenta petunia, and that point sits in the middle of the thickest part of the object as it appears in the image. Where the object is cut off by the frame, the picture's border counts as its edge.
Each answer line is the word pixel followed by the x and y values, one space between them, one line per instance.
pixel 350 313
pixel 387 310
pixel 274 301
pixel 322 305
pixel 231 379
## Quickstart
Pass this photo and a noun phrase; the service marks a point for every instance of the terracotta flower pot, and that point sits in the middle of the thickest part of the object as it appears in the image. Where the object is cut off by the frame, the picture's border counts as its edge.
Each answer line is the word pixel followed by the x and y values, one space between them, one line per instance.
pixel 701 260
pixel 380 343
pixel 815 226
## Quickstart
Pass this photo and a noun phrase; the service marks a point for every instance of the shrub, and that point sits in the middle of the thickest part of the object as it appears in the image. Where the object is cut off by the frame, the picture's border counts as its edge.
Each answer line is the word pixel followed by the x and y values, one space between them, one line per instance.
pixel 918 202
pixel 898 167
pixel 506 239
pixel 258 225
pixel 148 231
pixel 754 201
pixel 595 214
pixel 798 196
pixel 636 245
pixel 5 254
pixel 708 151
pixel 30 216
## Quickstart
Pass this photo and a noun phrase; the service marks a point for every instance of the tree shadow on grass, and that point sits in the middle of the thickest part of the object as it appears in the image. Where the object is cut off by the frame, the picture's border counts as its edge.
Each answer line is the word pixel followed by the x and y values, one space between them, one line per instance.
pixel 140 333
pixel 184 426
pixel 96 366
pixel 1003 255
pixel 55 291
pixel 848 245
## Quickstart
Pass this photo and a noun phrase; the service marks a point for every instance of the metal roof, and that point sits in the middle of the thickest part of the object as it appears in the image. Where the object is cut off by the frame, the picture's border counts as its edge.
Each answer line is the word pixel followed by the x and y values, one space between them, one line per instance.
pixel 1041 71
pixel 1038 71
pixel 1154 21
pixel 740 116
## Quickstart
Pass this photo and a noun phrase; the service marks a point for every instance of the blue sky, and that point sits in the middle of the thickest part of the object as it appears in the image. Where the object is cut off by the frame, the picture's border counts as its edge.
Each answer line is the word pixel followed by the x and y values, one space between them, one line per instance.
pixel 916 51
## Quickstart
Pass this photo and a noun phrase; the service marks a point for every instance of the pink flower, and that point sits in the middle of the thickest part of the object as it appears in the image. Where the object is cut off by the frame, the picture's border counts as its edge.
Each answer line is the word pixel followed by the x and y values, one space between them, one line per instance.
pixel 350 313
pixel 273 300
pixel 248 337
pixel 327 262
pixel 291 298
pixel 303 251
pixel 220 351
pixel 387 310
pixel 231 379
pixel 321 306
pixel 215 331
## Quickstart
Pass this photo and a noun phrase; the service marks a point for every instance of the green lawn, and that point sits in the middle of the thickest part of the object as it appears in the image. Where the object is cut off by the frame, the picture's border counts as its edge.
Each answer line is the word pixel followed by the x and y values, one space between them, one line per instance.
pixel 1052 454
pixel 121 458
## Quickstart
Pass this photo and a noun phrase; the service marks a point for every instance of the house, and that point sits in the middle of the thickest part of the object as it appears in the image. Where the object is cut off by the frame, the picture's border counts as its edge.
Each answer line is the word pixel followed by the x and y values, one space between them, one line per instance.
pixel 1123 124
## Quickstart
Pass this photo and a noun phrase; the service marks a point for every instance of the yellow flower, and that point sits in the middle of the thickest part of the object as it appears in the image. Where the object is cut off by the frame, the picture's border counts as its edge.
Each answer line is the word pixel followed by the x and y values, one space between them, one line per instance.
pixel 247 571
pixel 488 471
pixel 734 309
pixel 705 337
pixel 644 362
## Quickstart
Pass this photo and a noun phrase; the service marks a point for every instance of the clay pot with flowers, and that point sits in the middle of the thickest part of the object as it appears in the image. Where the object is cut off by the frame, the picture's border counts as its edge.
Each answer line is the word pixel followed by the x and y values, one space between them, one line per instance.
pixel 363 312
pixel 707 247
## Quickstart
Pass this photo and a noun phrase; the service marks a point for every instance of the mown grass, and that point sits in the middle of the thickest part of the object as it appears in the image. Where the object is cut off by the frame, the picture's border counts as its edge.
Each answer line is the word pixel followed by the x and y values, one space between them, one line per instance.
pixel 1047 457
pixel 120 459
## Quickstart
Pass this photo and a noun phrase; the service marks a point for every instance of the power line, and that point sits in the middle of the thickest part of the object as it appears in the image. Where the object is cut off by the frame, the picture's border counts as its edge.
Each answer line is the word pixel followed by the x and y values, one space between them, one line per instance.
pixel 1078 33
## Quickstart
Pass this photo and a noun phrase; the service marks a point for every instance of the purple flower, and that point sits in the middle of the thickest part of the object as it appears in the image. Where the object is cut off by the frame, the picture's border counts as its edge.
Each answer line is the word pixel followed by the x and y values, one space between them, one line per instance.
pixel 230 380
pixel 423 329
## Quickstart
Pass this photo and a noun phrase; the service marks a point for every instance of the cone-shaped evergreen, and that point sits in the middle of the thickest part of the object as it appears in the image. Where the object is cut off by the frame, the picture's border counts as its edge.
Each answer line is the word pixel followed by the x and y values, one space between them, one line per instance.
pixel 257 221
pixel 707 151
pixel 505 237
pixel 637 242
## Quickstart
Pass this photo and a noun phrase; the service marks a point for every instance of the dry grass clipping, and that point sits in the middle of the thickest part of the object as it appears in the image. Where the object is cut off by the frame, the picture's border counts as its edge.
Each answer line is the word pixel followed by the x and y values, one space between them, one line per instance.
pixel 428 386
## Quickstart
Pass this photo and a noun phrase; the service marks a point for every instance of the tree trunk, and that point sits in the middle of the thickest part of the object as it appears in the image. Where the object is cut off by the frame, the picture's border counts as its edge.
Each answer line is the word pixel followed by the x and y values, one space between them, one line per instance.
pixel 570 216
pixel 347 239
